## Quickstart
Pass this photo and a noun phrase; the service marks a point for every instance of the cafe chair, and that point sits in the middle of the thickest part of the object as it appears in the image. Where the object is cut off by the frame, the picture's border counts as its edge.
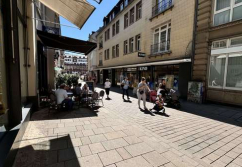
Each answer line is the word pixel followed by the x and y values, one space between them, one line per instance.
pixel 101 96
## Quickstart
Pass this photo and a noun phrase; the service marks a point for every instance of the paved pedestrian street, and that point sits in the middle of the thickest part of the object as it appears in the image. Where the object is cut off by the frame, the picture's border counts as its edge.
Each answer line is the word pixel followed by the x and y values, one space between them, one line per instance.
pixel 121 135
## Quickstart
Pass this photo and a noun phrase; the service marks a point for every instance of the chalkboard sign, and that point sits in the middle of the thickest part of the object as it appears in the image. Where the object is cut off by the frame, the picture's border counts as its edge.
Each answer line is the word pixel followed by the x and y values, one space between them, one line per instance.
pixel 90 85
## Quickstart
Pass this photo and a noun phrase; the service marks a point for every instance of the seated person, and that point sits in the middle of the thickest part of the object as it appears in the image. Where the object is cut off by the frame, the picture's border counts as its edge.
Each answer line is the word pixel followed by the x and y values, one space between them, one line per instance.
pixel 62 97
pixel 85 90
pixel 78 89
pixel 159 104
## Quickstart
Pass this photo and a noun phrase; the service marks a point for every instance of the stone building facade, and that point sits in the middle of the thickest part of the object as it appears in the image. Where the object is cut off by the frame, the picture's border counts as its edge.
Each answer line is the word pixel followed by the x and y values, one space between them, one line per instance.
pixel 151 39
pixel 218 50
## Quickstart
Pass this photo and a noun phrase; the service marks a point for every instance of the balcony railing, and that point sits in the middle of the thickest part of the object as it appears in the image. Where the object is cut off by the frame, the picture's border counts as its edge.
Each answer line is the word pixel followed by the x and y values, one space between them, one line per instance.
pixel 161 7
pixel 100 63
pixel 160 47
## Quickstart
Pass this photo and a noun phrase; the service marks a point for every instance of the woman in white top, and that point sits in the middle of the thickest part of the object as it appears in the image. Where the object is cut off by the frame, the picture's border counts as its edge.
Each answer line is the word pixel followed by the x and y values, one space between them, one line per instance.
pixel 141 92
pixel 107 86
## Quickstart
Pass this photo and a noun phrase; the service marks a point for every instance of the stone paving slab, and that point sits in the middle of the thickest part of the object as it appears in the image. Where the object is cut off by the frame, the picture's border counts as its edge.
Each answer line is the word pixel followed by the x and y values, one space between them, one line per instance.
pixel 120 135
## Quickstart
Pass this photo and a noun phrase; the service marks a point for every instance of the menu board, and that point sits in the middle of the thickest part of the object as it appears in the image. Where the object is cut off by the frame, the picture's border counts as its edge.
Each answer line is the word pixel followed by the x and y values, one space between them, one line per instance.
pixel 90 85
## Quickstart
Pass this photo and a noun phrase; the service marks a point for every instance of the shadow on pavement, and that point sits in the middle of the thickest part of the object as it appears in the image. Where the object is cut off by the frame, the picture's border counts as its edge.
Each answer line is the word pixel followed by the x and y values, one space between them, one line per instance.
pixel 44 114
pixel 127 101
pixel 220 112
pixel 147 112
pixel 44 152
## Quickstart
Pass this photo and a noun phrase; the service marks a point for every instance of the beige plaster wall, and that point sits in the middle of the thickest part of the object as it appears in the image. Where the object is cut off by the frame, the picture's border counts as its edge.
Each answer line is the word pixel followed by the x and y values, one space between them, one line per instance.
pixel 181 18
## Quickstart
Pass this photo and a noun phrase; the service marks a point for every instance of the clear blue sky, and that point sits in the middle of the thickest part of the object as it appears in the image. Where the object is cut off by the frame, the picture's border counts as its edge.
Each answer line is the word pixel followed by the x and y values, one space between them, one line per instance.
pixel 92 24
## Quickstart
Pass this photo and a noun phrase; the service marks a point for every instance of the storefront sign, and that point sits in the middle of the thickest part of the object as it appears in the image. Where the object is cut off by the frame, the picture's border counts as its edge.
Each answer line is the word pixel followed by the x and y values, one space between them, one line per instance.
pixel 131 69
pixel 144 68
pixel 140 54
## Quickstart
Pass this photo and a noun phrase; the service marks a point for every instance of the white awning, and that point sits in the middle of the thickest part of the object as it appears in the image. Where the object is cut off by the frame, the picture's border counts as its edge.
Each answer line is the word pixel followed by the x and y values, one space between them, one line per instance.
pixel 76 11
pixel 169 62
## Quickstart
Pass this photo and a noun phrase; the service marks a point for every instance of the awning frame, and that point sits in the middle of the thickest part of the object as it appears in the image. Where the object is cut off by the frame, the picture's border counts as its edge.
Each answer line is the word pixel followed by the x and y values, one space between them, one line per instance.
pixel 169 62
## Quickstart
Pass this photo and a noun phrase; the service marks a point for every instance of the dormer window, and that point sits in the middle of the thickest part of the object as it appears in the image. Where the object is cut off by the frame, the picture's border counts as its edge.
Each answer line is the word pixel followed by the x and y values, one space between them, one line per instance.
pixel 126 3
pixel 121 6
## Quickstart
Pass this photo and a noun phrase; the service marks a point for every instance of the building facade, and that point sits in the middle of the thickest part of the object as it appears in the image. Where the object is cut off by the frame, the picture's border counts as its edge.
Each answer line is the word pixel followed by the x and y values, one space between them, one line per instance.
pixel 218 50
pixel 92 57
pixel 75 64
pixel 151 39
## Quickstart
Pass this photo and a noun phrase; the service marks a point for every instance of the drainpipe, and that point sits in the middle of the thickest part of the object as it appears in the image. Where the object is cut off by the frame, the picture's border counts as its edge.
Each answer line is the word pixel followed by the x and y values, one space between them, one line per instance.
pixel 194 36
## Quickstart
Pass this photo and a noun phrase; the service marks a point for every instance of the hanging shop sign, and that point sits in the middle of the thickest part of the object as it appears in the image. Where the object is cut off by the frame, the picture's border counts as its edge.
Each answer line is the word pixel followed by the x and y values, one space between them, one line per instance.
pixel 51 30
pixel 141 54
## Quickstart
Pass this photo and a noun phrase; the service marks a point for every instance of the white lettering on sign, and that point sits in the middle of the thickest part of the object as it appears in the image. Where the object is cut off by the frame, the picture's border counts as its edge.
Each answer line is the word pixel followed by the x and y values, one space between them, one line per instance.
pixel 143 68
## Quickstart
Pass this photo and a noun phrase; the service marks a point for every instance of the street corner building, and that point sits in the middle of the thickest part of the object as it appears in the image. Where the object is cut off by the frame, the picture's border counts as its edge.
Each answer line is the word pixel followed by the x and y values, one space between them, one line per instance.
pixel 31 46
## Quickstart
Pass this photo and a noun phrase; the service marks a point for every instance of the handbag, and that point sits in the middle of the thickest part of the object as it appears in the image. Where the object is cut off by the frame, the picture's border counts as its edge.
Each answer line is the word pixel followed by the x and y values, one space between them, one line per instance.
pixel 141 92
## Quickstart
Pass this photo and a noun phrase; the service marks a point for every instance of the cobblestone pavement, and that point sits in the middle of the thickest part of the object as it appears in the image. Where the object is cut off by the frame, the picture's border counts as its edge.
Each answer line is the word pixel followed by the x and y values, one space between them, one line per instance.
pixel 121 135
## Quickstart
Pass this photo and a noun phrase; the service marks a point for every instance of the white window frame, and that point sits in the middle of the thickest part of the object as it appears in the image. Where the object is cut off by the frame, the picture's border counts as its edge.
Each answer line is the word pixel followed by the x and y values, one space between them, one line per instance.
pixel 114 51
pixel 235 45
pixel 132 16
pixel 126 48
pixel 138 41
pixel 231 8
pixel 219 52
pixel 131 44
pixel 168 26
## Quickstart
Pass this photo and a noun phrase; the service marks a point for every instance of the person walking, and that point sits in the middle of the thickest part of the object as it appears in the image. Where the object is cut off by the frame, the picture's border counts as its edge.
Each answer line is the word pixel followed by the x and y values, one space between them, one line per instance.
pixel 141 92
pixel 125 84
pixel 107 86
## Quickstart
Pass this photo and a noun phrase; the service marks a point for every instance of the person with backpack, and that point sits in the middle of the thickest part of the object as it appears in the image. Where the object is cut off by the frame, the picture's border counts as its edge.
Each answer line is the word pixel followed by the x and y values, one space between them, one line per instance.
pixel 125 87
pixel 141 92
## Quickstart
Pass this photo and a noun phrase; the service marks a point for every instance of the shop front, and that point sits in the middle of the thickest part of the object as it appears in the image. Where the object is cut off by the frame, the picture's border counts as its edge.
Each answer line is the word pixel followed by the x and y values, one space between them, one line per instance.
pixel 176 74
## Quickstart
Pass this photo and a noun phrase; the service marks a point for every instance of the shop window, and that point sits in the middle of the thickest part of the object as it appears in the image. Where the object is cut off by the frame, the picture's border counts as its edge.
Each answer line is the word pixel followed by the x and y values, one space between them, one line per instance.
pixel 234 71
pixel 226 11
pixel 225 66
pixel 131 45
pixel 139 10
pixel 131 16
pixel 126 20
